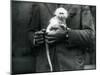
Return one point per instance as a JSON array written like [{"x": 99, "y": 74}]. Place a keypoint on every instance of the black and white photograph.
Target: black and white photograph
[{"x": 52, "y": 37}]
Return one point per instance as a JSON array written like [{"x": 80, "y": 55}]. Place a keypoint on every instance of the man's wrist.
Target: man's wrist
[{"x": 67, "y": 35}]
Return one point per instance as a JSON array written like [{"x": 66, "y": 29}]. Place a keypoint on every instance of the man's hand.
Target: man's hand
[
  {"x": 56, "y": 36},
  {"x": 38, "y": 38}
]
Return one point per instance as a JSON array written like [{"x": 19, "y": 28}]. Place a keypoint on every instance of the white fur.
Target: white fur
[
  {"x": 61, "y": 10},
  {"x": 58, "y": 20}
]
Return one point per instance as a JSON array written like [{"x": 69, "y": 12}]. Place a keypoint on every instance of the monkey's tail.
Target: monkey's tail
[{"x": 48, "y": 57}]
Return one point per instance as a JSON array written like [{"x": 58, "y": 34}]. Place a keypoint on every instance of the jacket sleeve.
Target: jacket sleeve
[
  {"x": 83, "y": 37},
  {"x": 34, "y": 24}
]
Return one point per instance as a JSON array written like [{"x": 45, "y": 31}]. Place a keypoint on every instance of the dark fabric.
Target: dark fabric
[
  {"x": 68, "y": 55},
  {"x": 23, "y": 60}
]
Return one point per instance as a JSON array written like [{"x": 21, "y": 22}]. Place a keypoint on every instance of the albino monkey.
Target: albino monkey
[{"x": 57, "y": 22}]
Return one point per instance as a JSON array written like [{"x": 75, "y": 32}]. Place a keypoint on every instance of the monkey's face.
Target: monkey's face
[{"x": 61, "y": 13}]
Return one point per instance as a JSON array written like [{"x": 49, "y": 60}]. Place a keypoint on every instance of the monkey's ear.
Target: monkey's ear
[{"x": 56, "y": 12}]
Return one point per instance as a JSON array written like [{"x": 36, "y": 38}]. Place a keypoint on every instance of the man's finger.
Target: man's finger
[
  {"x": 50, "y": 42},
  {"x": 50, "y": 38},
  {"x": 39, "y": 33},
  {"x": 40, "y": 39},
  {"x": 38, "y": 36},
  {"x": 40, "y": 42},
  {"x": 51, "y": 33}
]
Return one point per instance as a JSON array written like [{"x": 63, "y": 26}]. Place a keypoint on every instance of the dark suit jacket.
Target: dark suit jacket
[{"x": 70, "y": 54}]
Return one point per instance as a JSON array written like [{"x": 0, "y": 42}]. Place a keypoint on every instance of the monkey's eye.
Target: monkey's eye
[{"x": 61, "y": 13}]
